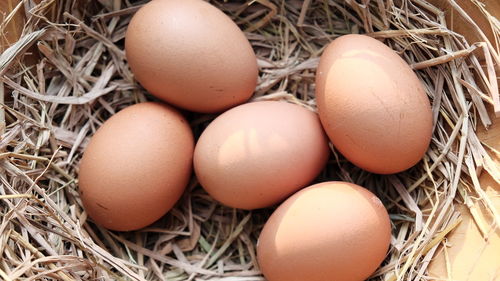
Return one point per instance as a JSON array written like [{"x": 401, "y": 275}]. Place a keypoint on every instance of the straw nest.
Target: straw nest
[{"x": 51, "y": 106}]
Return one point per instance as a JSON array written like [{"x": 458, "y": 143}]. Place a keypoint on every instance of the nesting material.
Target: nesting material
[{"x": 50, "y": 108}]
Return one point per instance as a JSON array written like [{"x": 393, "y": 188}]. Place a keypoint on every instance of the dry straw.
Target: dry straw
[{"x": 50, "y": 108}]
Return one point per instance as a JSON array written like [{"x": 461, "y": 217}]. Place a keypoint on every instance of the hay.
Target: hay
[{"x": 50, "y": 109}]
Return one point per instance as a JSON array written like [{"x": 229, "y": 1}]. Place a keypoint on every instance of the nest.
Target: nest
[{"x": 68, "y": 74}]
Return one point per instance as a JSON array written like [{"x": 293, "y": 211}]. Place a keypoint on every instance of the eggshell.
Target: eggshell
[
  {"x": 256, "y": 154},
  {"x": 329, "y": 231},
  {"x": 136, "y": 166},
  {"x": 372, "y": 105},
  {"x": 190, "y": 54}
]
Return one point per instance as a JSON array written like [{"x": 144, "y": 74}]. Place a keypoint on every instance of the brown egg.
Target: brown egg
[
  {"x": 136, "y": 166},
  {"x": 256, "y": 154},
  {"x": 372, "y": 105},
  {"x": 328, "y": 231},
  {"x": 190, "y": 54}
]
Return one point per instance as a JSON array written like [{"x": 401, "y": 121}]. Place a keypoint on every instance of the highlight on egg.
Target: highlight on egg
[
  {"x": 136, "y": 166},
  {"x": 191, "y": 55},
  {"x": 328, "y": 231},
  {"x": 256, "y": 154},
  {"x": 372, "y": 105}
]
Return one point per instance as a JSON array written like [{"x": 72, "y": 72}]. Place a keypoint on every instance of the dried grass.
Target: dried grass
[{"x": 50, "y": 109}]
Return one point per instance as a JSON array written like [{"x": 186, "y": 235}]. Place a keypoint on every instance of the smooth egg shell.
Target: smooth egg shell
[
  {"x": 372, "y": 105},
  {"x": 190, "y": 54},
  {"x": 136, "y": 166},
  {"x": 329, "y": 231},
  {"x": 256, "y": 154}
]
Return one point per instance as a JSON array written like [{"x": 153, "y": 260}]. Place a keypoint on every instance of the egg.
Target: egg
[
  {"x": 256, "y": 154},
  {"x": 372, "y": 105},
  {"x": 136, "y": 166},
  {"x": 191, "y": 55},
  {"x": 328, "y": 231}
]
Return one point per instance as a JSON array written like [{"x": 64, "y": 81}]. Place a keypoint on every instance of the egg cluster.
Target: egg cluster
[{"x": 188, "y": 53}]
